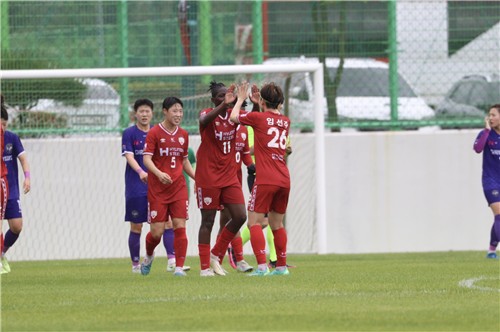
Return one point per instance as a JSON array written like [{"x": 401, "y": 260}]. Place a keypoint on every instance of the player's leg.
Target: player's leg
[
  {"x": 179, "y": 212},
  {"x": 495, "y": 230},
  {"x": 276, "y": 216},
  {"x": 168, "y": 243},
  {"x": 208, "y": 200},
  {"x": 136, "y": 214},
  {"x": 158, "y": 216}
]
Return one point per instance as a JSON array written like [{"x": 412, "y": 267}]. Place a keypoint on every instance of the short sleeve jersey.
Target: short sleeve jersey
[
  {"x": 133, "y": 140},
  {"x": 271, "y": 134},
  {"x": 13, "y": 148},
  {"x": 215, "y": 156},
  {"x": 491, "y": 161},
  {"x": 168, "y": 150}
]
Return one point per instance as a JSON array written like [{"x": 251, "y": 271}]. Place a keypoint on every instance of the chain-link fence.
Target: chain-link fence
[{"x": 389, "y": 64}]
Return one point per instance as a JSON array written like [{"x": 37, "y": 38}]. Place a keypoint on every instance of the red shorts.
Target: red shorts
[
  {"x": 4, "y": 195},
  {"x": 161, "y": 212},
  {"x": 265, "y": 198},
  {"x": 213, "y": 198}
]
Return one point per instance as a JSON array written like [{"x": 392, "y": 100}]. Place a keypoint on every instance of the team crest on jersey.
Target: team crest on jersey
[
  {"x": 244, "y": 136},
  {"x": 207, "y": 200},
  {"x": 154, "y": 214},
  {"x": 181, "y": 140},
  {"x": 8, "y": 148}
]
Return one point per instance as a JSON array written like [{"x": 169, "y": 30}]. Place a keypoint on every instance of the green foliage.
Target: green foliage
[
  {"x": 26, "y": 93},
  {"x": 371, "y": 292},
  {"x": 35, "y": 122}
]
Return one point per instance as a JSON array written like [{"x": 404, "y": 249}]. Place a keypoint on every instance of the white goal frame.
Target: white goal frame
[{"x": 318, "y": 86}]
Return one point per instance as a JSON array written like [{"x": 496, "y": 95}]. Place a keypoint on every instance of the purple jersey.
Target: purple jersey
[
  {"x": 12, "y": 150},
  {"x": 490, "y": 146},
  {"x": 133, "y": 140}
]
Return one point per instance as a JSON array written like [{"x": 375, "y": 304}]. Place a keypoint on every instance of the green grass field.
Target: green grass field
[{"x": 447, "y": 291}]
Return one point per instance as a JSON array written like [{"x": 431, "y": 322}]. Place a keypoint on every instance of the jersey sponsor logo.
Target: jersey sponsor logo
[
  {"x": 7, "y": 158},
  {"x": 207, "y": 200},
  {"x": 154, "y": 213}
]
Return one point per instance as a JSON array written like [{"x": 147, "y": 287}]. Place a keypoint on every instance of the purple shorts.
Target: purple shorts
[
  {"x": 136, "y": 209},
  {"x": 13, "y": 209},
  {"x": 492, "y": 195}
]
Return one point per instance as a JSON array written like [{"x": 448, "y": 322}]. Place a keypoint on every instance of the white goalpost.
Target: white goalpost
[{"x": 318, "y": 86}]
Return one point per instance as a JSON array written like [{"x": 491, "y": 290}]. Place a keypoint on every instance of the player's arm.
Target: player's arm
[
  {"x": 242, "y": 95},
  {"x": 143, "y": 175},
  {"x": 208, "y": 117},
  {"x": 481, "y": 139},
  {"x": 26, "y": 169},
  {"x": 150, "y": 165},
  {"x": 188, "y": 168}
]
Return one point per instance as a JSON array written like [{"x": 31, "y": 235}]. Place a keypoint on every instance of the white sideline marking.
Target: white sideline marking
[{"x": 470, "y": 283}]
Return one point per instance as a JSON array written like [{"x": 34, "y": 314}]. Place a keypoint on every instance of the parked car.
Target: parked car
[
  {"x": 470, "y": 97},
  {"x": 363, "y": 93},
  {"x": 100, "y": 107}
]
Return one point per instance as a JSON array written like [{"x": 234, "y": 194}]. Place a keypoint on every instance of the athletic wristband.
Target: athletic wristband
[
  {"x": 139, "y": 170},
  {"x": 26, "y": 175}
]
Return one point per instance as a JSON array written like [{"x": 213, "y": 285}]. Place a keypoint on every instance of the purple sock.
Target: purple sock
[
  {"x": 134, "y": 245},
  {"x": 495, "y": 232},
  {"x": 9, "y": 240},
  {"x": 168, "y": 242}
]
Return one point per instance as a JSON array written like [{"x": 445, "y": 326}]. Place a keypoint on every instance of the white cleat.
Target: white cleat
[
  {"x": 207, "y": 273},
  {"x": 215, "y": 265},
  {"x": 243, "y": 266}
]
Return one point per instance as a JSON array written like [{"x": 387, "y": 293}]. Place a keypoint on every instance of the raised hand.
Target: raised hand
[
  {"x": 243, "y": 91},
  {"x": 254, "y": 94},
  {"x": 487, "y": 123},
  {"x": 230, "y": 96}
]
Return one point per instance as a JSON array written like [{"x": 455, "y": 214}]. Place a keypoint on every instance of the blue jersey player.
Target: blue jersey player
[
  {"x": 13, "y": 150},
  {"x": 488, "y": 142}
]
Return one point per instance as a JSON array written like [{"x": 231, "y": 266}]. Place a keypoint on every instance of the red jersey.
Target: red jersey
[
  {"x": 3, "y": 167},
  {"x": 215, "y": 156},
  {"x": 271, "y": 135},
  {"x": 242, "y": 150},
  {"x": 168, "y": 150}
]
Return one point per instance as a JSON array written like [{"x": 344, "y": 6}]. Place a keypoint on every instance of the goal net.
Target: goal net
[{"x": 70, "y": 122}]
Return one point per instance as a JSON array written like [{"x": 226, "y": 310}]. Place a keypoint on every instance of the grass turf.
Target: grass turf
[{"x": 399, "y": 292}]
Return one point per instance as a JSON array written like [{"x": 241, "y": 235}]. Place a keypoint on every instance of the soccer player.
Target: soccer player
[
  {"x": 242, "y": 155},
  {"x": 13, "y": 150},
  {"x": 136, "y": 188},
  {"x": 272, "y": 184},
  {"x": 216, "y": 178},
  {"x": 166, "y": 156},
  {"x": 488, "y": 142},
  {"x": 4, "y": 185}
]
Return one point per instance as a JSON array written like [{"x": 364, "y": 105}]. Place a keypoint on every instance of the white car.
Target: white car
[
  {"x": 100, "y": 107},
  {"x": 363, "y": 93}
]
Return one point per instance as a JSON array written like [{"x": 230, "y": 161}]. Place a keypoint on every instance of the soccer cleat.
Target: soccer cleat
[
  {"x": 232, "y": 257},
  {"x": 243, "y": 266},
  {"x": 146, "y": 264},
  {"x": 272, "y": 265},
  {"x": 136, "y": 268},
  {"x": 171, "y": 267},
  {"x": 259, "y": 273},
  {"x": 207, "y": 273},
  {"x": 5, "y": 265},
  {"x": 179, "y": 272},
  {"x": 215, "y": 265},
  {"x": 280, "y": 272},
  {"x": 492, "y": 255}
]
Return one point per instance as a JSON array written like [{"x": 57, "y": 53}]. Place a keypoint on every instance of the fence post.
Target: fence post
[
  {"x": 123, "y": 21},
  {"x": 393, "y": 62}
]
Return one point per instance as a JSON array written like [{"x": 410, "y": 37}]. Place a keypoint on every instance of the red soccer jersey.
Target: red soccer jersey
[
  {"x": 271, "y": 134},
  {"x": 242, "y": 150},
  {"x": 215, "y": 156},
  {"x": 168, "y": 150}
]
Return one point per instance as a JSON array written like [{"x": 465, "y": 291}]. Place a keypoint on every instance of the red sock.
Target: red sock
[
  {"x": 1, "y": 242},
  {"x": 222, "y": 243},
  {"x": 204, "y": 252},
  {"x": 180, "y": 246},
  {"x": 280, "y": 239},
  {"x": 258, "y": 244},
  {"x": 237, "y": 245},
  {"x": 221, "y": 257},
  {"x": 151, "y": 244}
]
